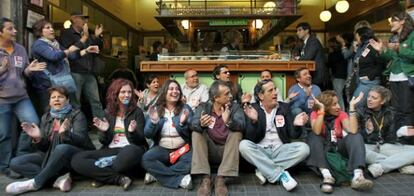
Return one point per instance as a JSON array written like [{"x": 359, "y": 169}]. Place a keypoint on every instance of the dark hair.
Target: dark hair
[
  {"x": 38, "y": 27},
  {"x": 162, "y": 101},
  {"x": 60, "y": 89},
  {"x": 271, "y": 74},
  {"x": 149, "y": 79},
  {"x": 112, "y": 101},
  {"x": 217, "y": 69},
  {"x": 365, "y": 33},
  {"x": 408, "y": 26},
  {"x": 297, "y": 72},
  {"x": 349, "y": 38},
  {"x": 304, "y": 26},
  {"x": 259, "y": 88},
  {"x": 2, "y": 21},
  {"x": 156, "y": 44},
  {"x": 383, "y": 92},
  {"x": 214, "y": 88}
]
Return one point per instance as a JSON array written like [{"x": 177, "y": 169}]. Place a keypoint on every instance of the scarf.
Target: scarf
[
  {"x": 54, "y": 44},
  {"x": 66, "y": 109}
]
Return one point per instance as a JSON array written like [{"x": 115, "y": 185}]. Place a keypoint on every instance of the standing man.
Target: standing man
[
  {"x": 193, "y": 91},
  {"x": 312, "y": 50},
  {"x": 81, "y": 68},
  {"x": 14, "y": 65},
  {"x": 217, "y": 127}
]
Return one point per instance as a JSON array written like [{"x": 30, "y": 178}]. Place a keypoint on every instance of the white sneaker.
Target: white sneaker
[
  {"x": 260, "y": 176},
  {"x": 16, "y": 188},
  {"x": 287, "y": 181},
  {"x": 408, "y": 169},
  {"x": 375, "y": 170},
  {"x": 149, "y": 178},
  {"x": 64, "y": 183},
  {"x": 361, "y": 184},
  {"x": 186, "y": 182}
]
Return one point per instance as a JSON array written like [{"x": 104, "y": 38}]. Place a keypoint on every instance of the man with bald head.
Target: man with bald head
[{"x": 193, "y": 91}]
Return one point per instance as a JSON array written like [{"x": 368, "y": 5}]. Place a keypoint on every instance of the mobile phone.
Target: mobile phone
[{"x": 394, "y": 39}]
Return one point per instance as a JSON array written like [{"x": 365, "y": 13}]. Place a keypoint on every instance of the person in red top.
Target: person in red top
[{"x": 331, "y": 129}]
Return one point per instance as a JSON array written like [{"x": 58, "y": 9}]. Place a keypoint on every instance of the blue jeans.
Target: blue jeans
[
  {"x": 390, "y": 156},
  {"x": 157, "y": 162},
  {"x": 25, "y": 112},
  {"x": 30, "y": 165},
  {"x": 88, "y": 86},
  {"x": 272, "y": 162},
  {"x": 338, "y": 86},
  {"x": 365, "y": 85}
]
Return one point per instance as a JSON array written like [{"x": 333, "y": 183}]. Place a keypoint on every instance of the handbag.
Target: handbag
[
  {"x": 63, "y": 78},
  {"x": 338, "y": 166}
]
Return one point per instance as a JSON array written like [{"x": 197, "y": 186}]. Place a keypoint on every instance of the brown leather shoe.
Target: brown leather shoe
[
  {"x": 220, "y": 188},
  {"x": 205, "y": 187}
]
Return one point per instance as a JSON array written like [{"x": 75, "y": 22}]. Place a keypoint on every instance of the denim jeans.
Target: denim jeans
[
  {"x": 57, "y": 164},
  {"x": 365, "y": 85},
  {"x": 157, "y": 162},
  {"x": 25, "y": 112},
  {"x": 390, "y": 156},
  {"x": 272, "y": 162},
  {"x": 88, "y": 86},
  {"x": 338, "y": 86}
]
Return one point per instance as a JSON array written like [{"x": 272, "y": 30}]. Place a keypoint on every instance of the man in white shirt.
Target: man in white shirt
[{"x": 193, "y": 91}]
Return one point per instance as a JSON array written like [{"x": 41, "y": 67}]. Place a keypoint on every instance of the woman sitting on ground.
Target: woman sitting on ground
[
  {"x": 169, "y": 161},
  {"x": 121, "y": 133},
  {"x": 63, "y": 132},
  {"x": 384, "y": 152},
  {"x": 331, "y": 130}
]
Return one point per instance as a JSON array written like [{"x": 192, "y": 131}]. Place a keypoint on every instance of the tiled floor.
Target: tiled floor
[{"x": 245, "y": 185}]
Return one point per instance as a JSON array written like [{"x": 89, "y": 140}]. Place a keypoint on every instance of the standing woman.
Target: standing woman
[
  {"x": 168, "y": 126},
  {"x": 63, "y": 132},
  {"x": 149, "y": 96},
  {"x": 331, "y": 129},
  {"x": 121, "y": 133},
  {"x": 47, "y": 49},
  {"x": 401, "y": 69}
]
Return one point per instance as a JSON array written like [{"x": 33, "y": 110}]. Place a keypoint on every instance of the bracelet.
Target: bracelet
[{"x": 320, "y": 112}]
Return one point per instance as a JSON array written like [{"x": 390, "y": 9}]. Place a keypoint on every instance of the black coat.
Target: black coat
[{"x": 313, "y": 51}]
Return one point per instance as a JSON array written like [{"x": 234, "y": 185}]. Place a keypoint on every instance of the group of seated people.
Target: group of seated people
[{"x": 175, "y": 133}]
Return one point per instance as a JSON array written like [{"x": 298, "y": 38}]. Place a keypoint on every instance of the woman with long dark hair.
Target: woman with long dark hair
[
  {"x": 63, "y": 132},
  {"x": 169, "y": 161},
  {"x": 149, "y": 96},
  {"x": 121, "y": 133},
  {"x": 400, "y": 53}
]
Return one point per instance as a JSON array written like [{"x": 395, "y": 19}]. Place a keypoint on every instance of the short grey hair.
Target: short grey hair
[{"x": 214, "y": 88}]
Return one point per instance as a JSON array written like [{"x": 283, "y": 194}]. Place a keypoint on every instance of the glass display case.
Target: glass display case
[{"x": 257, "y": 55}]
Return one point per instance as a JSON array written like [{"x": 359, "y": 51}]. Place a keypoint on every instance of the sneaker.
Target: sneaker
[
  {"x": 327, "y": 185},
  {"x": 149, "y": 178},
  {"x": 96, "y": 184},
  {"x": 64, "y": 183},
  {"x": 16, "y": 188},
  {"x": 408, "y": 169},
  {"x": 205, "y": 187},
  {"x": 260, "y": 176},
  {"x": 375, "y": 170},
  {"x": 186, "y": 182},
  {"x": 125, "y": 182},
  {"x": 287, "y": 181},
  {"x": 361, "y": 184}
]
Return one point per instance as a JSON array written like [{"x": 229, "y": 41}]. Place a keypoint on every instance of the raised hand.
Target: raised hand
[
  {"x": 225, "y": 113},
  {"x": 246, "y": 97},
  {"x": 64, "y": 126},
  {"x": 293, "y": 95},
  {"x": 318, "y": 103},
  {"x": 356, "y": 100},
  {"x": 301, "y": 119},
  {"x": 102, "y": 125},
  {"x": 184, "y": 116},
  {"x": 153, "y": 114},
  {"x": 98, "y": 30},
  {"x": 376, "y": 45},
  {"x": 36, "y": 66},
  {"x": 132, "y": 125},
  {"x": 205, "y": 120},
  {"x": 31, "y": 129},
  {"x": 251, "y": 113},
  {"x": 4, "y": 63},
  {"x": 93, "y": 49}
]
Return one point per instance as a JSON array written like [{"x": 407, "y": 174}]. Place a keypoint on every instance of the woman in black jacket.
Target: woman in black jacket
[
  {"x": 122, "y": 136},
  {"x": 63, "y": 132}
]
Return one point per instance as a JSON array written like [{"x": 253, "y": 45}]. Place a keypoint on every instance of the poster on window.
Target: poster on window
[
  {"x": 32, "y": 17},
  {"x": 38, "y": 3}
]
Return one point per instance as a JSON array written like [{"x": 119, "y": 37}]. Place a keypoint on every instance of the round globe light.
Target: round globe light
[
  {"x": 325, "y": 16},
  {"x": 67, "y": 24},
  {"x": 185, "y": 24},
  {"x": 342, "y": 6},
  {"x": 257, "y": 24}
]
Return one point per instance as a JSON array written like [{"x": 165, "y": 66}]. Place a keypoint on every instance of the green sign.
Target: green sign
[{"x": 228, "y": 22}]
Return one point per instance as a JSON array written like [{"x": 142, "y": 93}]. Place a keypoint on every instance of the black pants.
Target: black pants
[
  {"x": 351, "y": 147},
  {"x": 402, "y": 101},
  {"x": 127, "y": 158},
  {"x": 30, "y": 165}
]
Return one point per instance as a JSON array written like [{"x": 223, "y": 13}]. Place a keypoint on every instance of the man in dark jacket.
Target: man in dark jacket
[
  {"x": 82, "y": 68},
  {"x": 312, "y": 50},
  {"x": 269, "y": 128},
  {"x": 217, "y": 127}
]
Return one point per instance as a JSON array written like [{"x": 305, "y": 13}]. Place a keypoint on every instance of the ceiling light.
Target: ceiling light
[
  {"x": 325, "y": 16},
  {"x": 269, "y": 4},
  {"x": 67, "y": 24},
  {"x": 185, "y": 24},
  {"x": 342, "y": 6},
  {"x": 257, "y": 24}
]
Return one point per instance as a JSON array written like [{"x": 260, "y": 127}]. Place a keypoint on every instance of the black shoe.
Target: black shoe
[
  {"x": 96, "y": 184},
  {"x": 125, "y": 182},
  {"x": 11, "y": 174}
]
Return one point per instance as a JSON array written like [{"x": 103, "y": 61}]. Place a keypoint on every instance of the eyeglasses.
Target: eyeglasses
[{"x": 226, "y": 72}]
